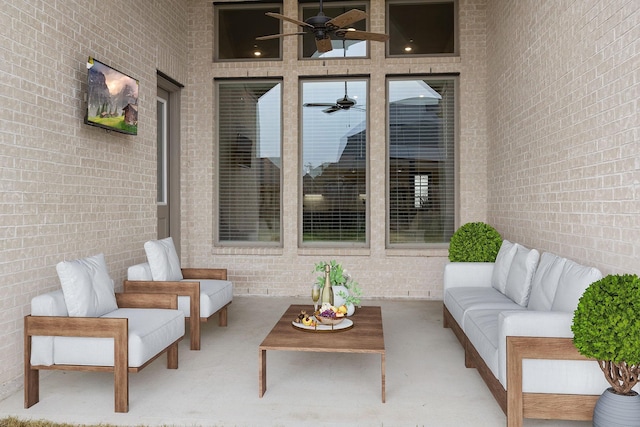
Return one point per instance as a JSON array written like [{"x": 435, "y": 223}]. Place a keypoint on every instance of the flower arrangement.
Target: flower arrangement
[{"x": 340, "y": 277}]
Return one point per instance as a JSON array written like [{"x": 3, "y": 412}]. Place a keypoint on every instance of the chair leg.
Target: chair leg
[
  {"x": 121, "y": 368},
  {"x": 222, "y": 316},
  {"x": 172, "y": 356},
  {"x": 194, "y": 332},
  {"x": 31, "y": 376}
]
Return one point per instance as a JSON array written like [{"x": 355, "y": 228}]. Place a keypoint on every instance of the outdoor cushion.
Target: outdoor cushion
[
  {"x": 521, "y": 273},
  {"x": 87, "y": 287},
  {"x": 574, "y": 280},
  {"x": 502, "y": 265},
  {"x": 459, "y": 301},
  {"x": 214, "y": 294},
  {"x": 163, "y": 259},
  {"x": 545, "y": 282},
  {"x": 140, "y": 271}
]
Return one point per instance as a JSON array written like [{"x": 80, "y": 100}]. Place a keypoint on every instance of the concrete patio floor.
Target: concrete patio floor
[{"x": 426, "y": 381}]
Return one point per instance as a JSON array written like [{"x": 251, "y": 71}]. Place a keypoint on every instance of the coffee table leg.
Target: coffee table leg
[
  {"x": 262, "y": 374},
  {"x": 382, "y": 363}
]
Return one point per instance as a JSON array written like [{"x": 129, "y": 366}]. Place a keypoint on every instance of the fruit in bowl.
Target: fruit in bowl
[{"x": 330, "y": 315}]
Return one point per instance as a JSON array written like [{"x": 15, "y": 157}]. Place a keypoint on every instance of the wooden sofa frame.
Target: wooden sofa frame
[
  {"x": 186, "y": 288},
  {"x": 516, "y": 404},
  {"x": 116, "y": 328}
]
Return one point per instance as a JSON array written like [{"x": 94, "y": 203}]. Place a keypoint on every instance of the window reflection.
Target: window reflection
[{"x": 334, "y": 161}]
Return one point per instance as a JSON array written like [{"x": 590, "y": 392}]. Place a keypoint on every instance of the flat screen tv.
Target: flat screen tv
[{"x": 112, "y": 99}]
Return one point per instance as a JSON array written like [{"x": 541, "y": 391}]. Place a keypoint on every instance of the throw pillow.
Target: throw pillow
[
  {"x": 520, "y": 275},
  {"x": 86, "y": 286},
  {"x": 501, "y": 266},
  {"x": 163, "y": 260},
  {"x": 545, "y": 282},
  {"x": 574, "y": 280}
]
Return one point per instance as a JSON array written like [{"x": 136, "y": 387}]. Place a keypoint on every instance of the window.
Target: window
[
  {"x": 421, "y": 142},
  {"x": 334, "y": 162},
  {"x": 425, "y": 27},
  {"x": 249, "y": 152},
  {"x": 341, "y": 48},
  {"x": 237, "y": 27}
]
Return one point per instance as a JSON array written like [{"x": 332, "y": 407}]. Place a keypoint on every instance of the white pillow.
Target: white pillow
[
  {"x": 163, "y": 260},
  {"x": 503, "y": 263},
  {"x": 87, "y": 287},
  {"x": 574, "y": 280},
  {"x": 520, "y": 275},
  {"x": 545, "y": 282}
]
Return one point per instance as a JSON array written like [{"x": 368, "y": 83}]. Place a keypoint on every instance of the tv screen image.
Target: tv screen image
[{"x": 112, "y": 101}]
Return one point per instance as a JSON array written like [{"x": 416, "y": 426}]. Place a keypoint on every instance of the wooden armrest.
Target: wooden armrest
[
  {"x": 75, "y": 326},
  {"x": 205, "y": 273},
  {"x": 146, "y": 300}
]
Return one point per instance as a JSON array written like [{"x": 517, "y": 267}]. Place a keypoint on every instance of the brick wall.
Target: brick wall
[
  {"x": 564, "y": 139},
  {"x": 69, "y": 190},
  {"x": 288, "y": 270}
]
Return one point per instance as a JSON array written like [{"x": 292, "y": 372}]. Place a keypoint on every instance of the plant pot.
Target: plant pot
[
  {"x": 617, "y": 410},
  {"x": 339, "y": 300}
]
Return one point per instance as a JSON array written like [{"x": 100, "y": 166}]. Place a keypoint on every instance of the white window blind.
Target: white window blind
[
  {"x": 421, "y": 143},
  {"x": 249, "y": 161},
  {"x": 334, "y": 161}
]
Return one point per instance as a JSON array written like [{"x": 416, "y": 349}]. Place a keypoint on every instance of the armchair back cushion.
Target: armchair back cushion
[
  {"x": 163, "y": 260},
  {"x": 87, "y": 288},
  {"x": 140, "y": 271}
]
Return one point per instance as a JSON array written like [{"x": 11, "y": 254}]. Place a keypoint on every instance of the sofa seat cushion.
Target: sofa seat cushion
[
  {"x": 562, "y": 376},
  {"x": 481, "y": 329},
  {"x": 150, "y": 332},
  {"x": 461, "y": 300},
  {"x": 214, "y": 294}
]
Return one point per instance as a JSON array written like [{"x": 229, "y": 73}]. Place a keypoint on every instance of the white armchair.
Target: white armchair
[
  {"x": 202, "y": 292},
  {"x": 87, "y": 327}
]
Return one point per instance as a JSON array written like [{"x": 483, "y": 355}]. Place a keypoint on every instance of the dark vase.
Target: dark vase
[{"x": 617, "y": 410}]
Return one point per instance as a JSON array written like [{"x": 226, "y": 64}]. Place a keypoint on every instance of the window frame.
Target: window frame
[
  {"x": 216, "y": 153},
  {"x": 456, "y": 29},
  {"x": 367, "y": 213},
  {"x": 217, "y": 6},
  {"x": 455, "y": 78}
]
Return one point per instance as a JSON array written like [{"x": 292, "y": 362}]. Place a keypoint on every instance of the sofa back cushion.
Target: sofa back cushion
[
  {"x": 87, "y": 288},
  {"x": 503, "y": 263},
  {"x": 545, "y": 282},
  {"x": 163, "y": 260},
  {"x": 574, "y": 280},
  {"x": 520, "y": 274}
]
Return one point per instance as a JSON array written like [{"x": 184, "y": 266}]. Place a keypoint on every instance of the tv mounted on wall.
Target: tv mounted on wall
[{"x": 112, "y": 101}]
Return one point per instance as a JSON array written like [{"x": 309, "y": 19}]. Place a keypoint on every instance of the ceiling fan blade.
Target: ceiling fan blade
[
  {"x": 347, "y": 18},
  {"x": 275, "y": 36},
  {"x": 318, "y": 104},
  {"x": 286, "y": 18},
  {"x": 331, "y": 110},
  {"x": 324, "y": 45},
  {"x": 362, "y": 35}
]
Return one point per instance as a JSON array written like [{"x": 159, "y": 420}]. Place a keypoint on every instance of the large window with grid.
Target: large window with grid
[
  {"x": 333, "y": 167},
  {"x": 249, "y": 144},
  {"x": 421, "y": 169}
]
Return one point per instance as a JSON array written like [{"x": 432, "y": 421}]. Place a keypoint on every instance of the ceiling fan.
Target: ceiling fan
[
  {"x": 323, "y": 27},
  {"x": 344, "y": 103}
]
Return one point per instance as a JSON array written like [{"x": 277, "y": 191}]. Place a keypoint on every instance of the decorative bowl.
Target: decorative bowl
[{"x": 329, "y": 320}]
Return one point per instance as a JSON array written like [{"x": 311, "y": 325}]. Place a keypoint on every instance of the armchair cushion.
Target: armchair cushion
[
  {"x": 87, "y": 288},
  {"x": 163, "y": 260},
  {"x": 140, "y": 272}
]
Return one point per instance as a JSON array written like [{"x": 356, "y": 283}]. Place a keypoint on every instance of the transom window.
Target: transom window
[
  {"x": 333, "y": 167},
  {"x": 249, "y": 139},
  {"x": 421, "y": 145},
  {"x": 422, "y": 27},
  {"x": 236, "y": 29}
]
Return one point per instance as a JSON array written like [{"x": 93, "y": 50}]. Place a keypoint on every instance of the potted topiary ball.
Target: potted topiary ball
[
  {"x": 474, "y": 242},
  {"x": 606, "y": 327}
]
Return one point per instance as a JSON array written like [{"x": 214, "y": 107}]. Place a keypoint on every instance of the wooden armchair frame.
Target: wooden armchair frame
[
  {"x": 116, "y": 328},
  {"x": 190, "y": 287}
]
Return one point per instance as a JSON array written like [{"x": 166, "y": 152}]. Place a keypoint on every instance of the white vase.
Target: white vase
[
  {"x": 351, "y": 309},
  {"x": 339, "y": 299}
]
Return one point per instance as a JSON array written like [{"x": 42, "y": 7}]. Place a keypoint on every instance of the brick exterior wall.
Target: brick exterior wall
[{"x": 564, "y": 140}]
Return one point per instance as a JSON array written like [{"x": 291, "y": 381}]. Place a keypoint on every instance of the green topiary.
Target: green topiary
[
  {"x": 475, "y": 242},
  {"x": 606, "y": 327}
]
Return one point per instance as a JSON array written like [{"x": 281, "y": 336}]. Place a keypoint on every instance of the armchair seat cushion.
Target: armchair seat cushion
[{"x": 214, "y": 294}]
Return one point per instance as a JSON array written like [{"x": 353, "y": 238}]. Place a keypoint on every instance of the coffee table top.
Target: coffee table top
[{"x": 366, "y": 336}]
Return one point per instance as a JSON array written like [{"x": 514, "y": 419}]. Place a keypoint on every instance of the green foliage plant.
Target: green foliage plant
[
  {"x": 338, "y": 276},
  {"x": 606, "y": 327},
  {"x": 474, "y": 242}
]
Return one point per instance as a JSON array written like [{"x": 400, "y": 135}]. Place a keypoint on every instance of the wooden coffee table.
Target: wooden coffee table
[{"x": 365, "y": 336}]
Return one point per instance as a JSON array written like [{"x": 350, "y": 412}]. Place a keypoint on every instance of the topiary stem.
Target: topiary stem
[{"x": 621, "y": 376}]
